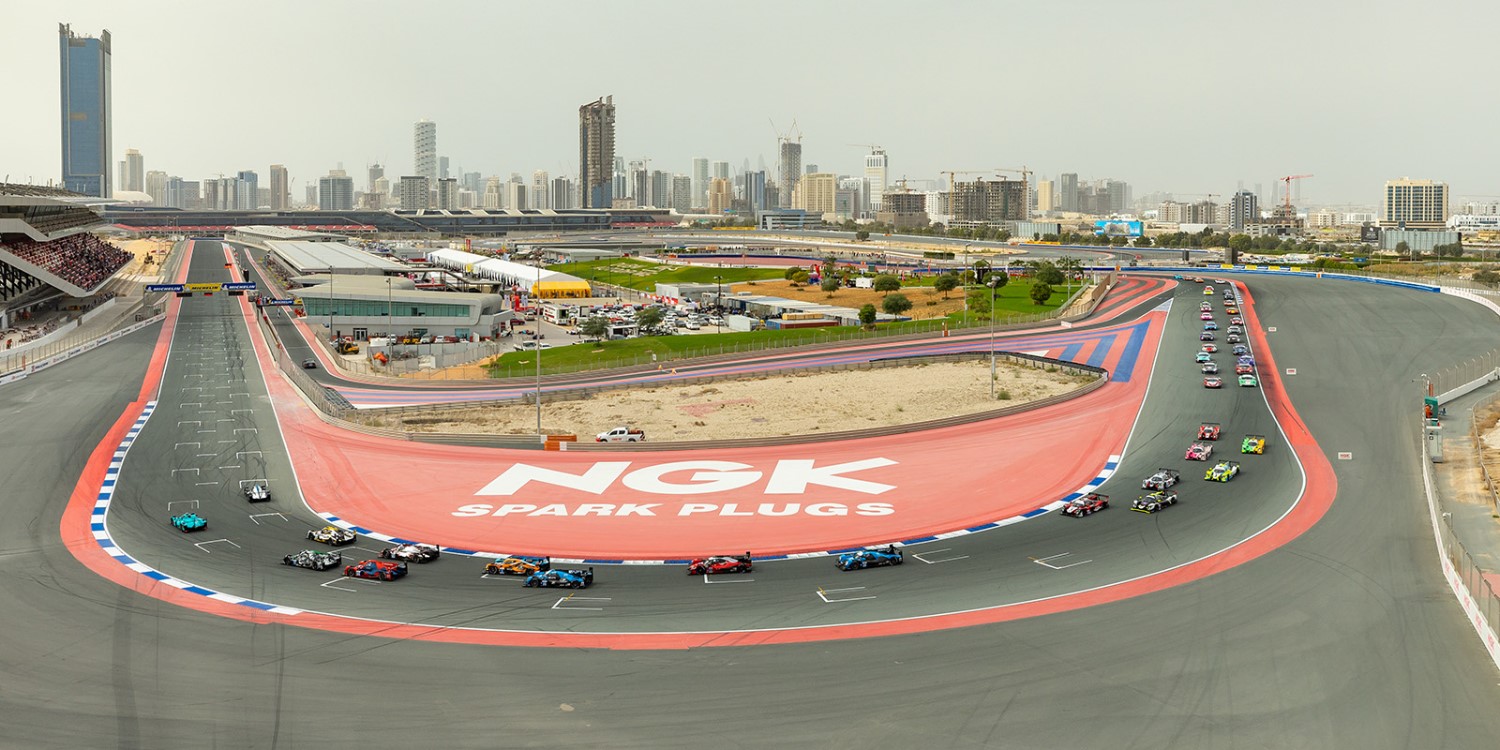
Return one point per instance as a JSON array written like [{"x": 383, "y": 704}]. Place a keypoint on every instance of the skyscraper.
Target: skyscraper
[
  {"x": 596, "y": 152},
  {"x": 790, "y": 171},
  {"x": 156, "y": 187},
  {"x": 661, "y": 189},
  {"x": 1046, "y": 195},
  {"x": 721, "y": 170},
  {"x": 816, "y": 193},
  {"x": 442, "y": 167},
  {"x": 414, "y": 192},
  {"x": 1414, "y": 204},
  {"x": 494, "y": 196},
  {"x": 515, "y": 196},
  {"x": 133, "y": 174},
  {"x": 1244, "y": 208},
  {"x": 700, "y": 181},
  {"x": 875, "y": 178},
  {"x": 1067, "y": 191},
  {"x": 281, "y": 197},
  {"x": 246, "y": 190},
  {"x": 424, "y": 149},
  {"x": 87, "y": 115},
  {"x": 336, "y": 192},
  {"x": 376, "y": 171},
  {"x": 755, "y": 191},
  {"x": 562, "y": 193},
  {"x": 720, "y": 195},
  {"x": 447, "y": 193},
  {"x": 682, "y": 193},
  {"x": 541, "y": 189}
]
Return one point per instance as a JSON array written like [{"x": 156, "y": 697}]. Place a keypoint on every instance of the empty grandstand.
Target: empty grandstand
[
  {"x": 427, "y": 222},
  {"x": 46, "y": 249}
]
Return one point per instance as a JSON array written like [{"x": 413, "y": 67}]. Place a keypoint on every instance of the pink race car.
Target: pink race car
[{"x": 1199, "y": 451}]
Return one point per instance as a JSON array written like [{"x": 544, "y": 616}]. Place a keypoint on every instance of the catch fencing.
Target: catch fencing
[{"x": 1475, "y": 593}]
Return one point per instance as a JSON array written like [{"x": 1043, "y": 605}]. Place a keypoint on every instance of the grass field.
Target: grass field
[
  {"x": 644, "y": 276},
  {"x": 1013, "y": 306}
]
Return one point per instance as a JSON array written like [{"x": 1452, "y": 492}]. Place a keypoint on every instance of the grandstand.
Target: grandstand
[
  {"x": 46, "y": 250},
  {"x": 430, "y": 222}
]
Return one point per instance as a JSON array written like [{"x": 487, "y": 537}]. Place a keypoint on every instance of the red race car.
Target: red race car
[
  {"x": 720, "y": 564},
  {"x": 1210, "y": 348},
  {"x": 1208, "y": 431},
  {"x": 1090, "y": 503},
  {"x": 1244, "y": 369},
  {"x": 1213, "y": 381}
]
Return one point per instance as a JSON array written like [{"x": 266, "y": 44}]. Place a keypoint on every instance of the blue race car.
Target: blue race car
[
  {"x": 188, "y": 522},
  {"x": 869, "y": 558},
  {"x": 552, "y": 579}
]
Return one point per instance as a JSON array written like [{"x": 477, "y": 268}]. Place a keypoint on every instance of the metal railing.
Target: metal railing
[
  {"x": 1466, "y": 571},
  {"x": 1465, "y": 372}
]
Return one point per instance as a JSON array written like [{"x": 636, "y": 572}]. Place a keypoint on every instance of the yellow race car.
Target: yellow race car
[
  {"x": 1253, "y": 444},
  {"x": 518, "y": 565}
]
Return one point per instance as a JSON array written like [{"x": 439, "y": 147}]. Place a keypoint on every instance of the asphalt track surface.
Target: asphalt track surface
[{"x": 1345, "y": 637}]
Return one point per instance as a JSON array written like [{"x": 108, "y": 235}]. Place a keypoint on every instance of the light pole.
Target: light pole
[
  {"x": 537, "y": 341},
  {"x": 390, "y": 313},
  {"x": 963, "y": 277},
  {"x": 331, "y": 337},
  {"x": 719, "y": 304}
]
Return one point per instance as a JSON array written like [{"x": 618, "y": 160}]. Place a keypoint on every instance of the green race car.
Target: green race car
[
  {"x": 1253, "y": 444},
  {"x": 1248, "y": 381}
]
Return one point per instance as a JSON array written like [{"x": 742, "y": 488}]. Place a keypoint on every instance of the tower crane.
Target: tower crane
[
  {"x": 952, "y": 172},
  {"x": 1025, "y": 188},
  {"x": 1288, "y": 180}
]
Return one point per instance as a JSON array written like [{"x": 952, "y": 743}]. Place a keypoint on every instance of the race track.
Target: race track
[{"x": 1344, "y": 637}]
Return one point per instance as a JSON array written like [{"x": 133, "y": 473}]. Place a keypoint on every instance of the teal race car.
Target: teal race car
[{"x": 188, "y": 522}]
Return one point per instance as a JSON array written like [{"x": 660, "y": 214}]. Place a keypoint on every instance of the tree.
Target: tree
[
  {"x": 649, "y": 319},
  {"x": 979, "y": 301},
  {"x": 895, "y": 304},
  {"x": 886, "y": 283},
  {"x": 998, "y": 280},
  {"x": 594, "y": 328},
  {"x": 790, "y": 272},
  {"x": 1041, "y": 291},
  {"x": 800, "y": 277},
  {"x": 1402, "y": 248},
  {"x": 1487, "y": 277},
  {"x": 867, "y": 315},
  {"x": 945, "y": 283},
  {"x": 1240, "y": 243},
  {"x": 1046, "y": 272},
  {"x": 830, "y": 283},
  {"x": 830, "y": 264},
  {"x": 862, "y": 235}
]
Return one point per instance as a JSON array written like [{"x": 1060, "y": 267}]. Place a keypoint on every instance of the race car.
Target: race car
[
  {"x": 1210, "y": 326},
  {"x": 1079, "y": 507},
  {"x": 1231, "y": 310},
  {"x": 1223, "y": 471},
  {"x": 1209, "y": 431},
  {"x": 1253, "y": 444},
  {"x": 869, "y": 558},
  {"x": 1245, "y": 359},
  {"x": 720, "y": 564},
  {"x": 1161, "y": 480},
  {"x": 560, "y": 579},
  {"x": 257, "y": 492},
  {"x": 1233, "y": 338},
  {"x": 1210, "y": 348},
  {"x": 1208, "y": 290},
  {"x": 376, "y": 570},
  {"x": 1244, "y": 369},
  {"x": 313, "y": 559},
  {"x": 332, "y": 535},
  {"x": 1236, "y": 322},
  {"x": 1210, "y": 368},
  {"x": 1206, "y": 316},
  {"x": 1154, "y": 502},
  {"x": 1213, "y": 381},
  {"x": 1235, "y": 328},
  {"x": 1202, "y": 357},
  {"x": 1206, "y": 336},
  {"x": 309, "y": 364},
  {"x": 1222, "y": 282},
  {"x": 1240, "y": 350},
  {"x": 418, "y": 553},
  {"x": 1199, "y": 451},
  {"x": 1248, "y": 381},
  {"x": 518, "y": 565},
  {"x": 188, "y": 522},
  {"x": 1205, "y": 307}
]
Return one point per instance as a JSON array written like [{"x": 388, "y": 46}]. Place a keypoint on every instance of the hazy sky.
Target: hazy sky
[{"x": 1191, "y": 96}]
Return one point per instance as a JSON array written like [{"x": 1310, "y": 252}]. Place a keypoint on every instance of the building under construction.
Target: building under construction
[
  {"x": 989, "y": 202},
  {"x": 903, "y": 210}
]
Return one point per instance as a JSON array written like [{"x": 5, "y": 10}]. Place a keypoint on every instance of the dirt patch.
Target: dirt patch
[{"x": 769, "y": 406}]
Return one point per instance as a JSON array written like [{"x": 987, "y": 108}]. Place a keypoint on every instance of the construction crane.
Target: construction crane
[
  {"x": 1288, "y": 180},
  {"x": 871, "y": 146},
  {"x": 952, "y": 172},
  {"x": 1025, "y": 188},
  {"x": 786, "y": 137},
  {"x": 1023, "y": 171}
]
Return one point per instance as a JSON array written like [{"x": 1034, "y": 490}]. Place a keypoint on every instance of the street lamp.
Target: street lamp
[
  {"x": 331, "y": 337},
  {"x": 390, "y": 312},
  {"x": 719, "y": 304},
  {"x": 963, "y": 277},
  {"x": 537, "y": 341}
]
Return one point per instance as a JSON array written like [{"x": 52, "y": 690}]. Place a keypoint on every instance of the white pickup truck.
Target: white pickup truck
[{"x": 622, "y": 435}]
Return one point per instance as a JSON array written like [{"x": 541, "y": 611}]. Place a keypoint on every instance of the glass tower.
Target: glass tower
[{"x": 86, "y": 112}]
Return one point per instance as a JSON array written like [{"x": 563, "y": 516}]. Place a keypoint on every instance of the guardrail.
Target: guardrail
[
  {"x": 1475, "y": 595},
  {"x": 1484, "y": 471}
]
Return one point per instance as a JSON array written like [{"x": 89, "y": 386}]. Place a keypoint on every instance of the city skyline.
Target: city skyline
[{"x": 1136, "y": 129}]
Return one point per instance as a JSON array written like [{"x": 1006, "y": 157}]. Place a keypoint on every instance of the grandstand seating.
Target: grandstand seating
[
  {"x": 81, "y": 259},
  {"x": 11, "y": 188}
]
